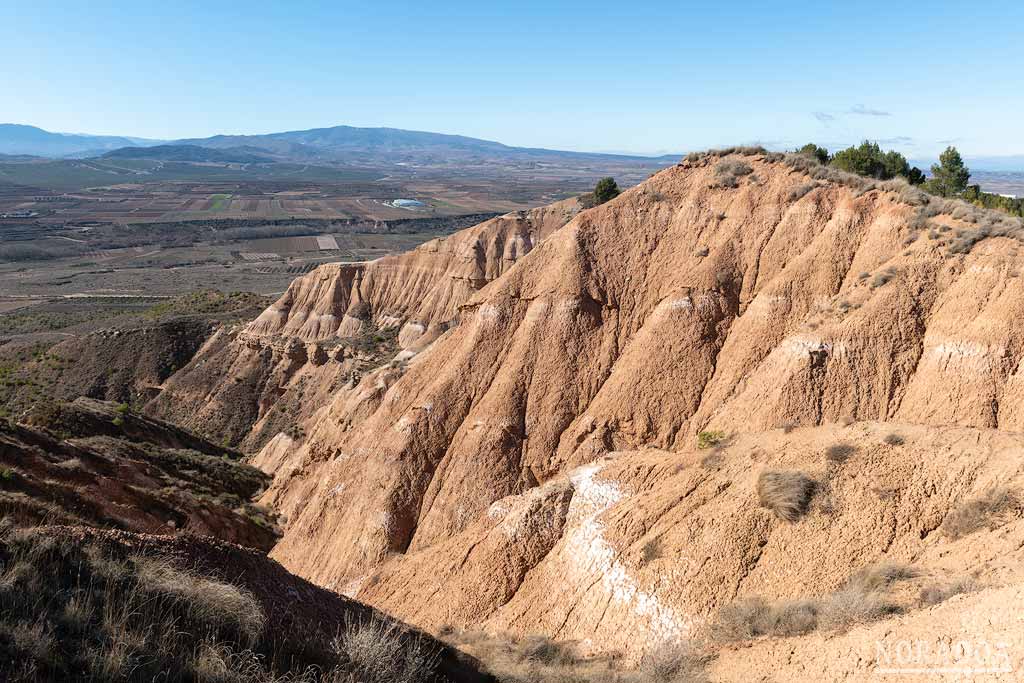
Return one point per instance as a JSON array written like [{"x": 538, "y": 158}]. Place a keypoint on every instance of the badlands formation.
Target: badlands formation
[{"x": 557, "y": 422}]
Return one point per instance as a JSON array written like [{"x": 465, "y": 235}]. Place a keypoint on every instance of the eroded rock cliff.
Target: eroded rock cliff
[{"x": 513, "y": 464}]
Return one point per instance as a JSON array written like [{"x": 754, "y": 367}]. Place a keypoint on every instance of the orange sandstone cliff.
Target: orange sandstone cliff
[{"x": 521, "y": 453}]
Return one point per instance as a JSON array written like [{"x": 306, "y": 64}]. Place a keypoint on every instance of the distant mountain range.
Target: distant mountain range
[
  {"x": 340, "y": 144},
  {"x": 192, "y": 153},
  {"x": 16, "y": 139}
]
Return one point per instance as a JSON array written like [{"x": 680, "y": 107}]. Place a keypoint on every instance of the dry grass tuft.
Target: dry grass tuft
[
  {"x": 847, "y": 608},
  {"x": 935, "y": 593},
  {"x": 785, "y": 493},
  {"x": 728, "y": 172},
  {"x": 94, "y": 611},
  {"x": 882, "y": 278},
  {"x": 713, "y": 460},
  {"x": 674, "y": 662},
  {"x": 894, "y": 439},
  {"x": 840, "y": 452},
  {"x": 211, "y": 601},
  {"x": 860, "y": 600},
  {"x": 879, "y": 577},
  {"x": 651, "y": 551},
  {"x": 385, "y": 652},
  {"x": 754, "y": 617},
  {"x": 538, "y": 659},
  {"x": 991, "y": 509},
  {"x": 800, "y": 190}
]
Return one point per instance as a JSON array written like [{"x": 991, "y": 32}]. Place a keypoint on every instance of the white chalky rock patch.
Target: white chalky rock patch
[
  {"x": 684, "y": 303},
  {"x": 958, "y": 356},
  {"x": 567, "y": 308},
  {"x": 498, "y": 509},
  {"x": 352, "y": 588},
  {"x": 705, "y": 303},
  {"x": 589, "y": 554},
  {"x": 517, "y": 512},
  {"x": 538, "y": 310},
  {"x": 488, "y": 313},
  {"x": 765, "y": 305},
  {"x": 803, "y": 347}
]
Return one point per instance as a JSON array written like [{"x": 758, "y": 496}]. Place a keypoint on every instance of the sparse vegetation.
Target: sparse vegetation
[
  {"x": 712, "y": 460},
  {"x": 375, "y": 649},
  {"x": 813, "y": 151},
  {"x": 674, "y": 662},
  {"x": 728, "y": 172},
  {"x": 605, "y": 190},
  {"x": 861, "y": 599},
  {"x": 935, "y": 593},
  {"x": 882, "y": 278},
  {"x": 840, "y": 452},
  {"x": 800, "y": 190},
  {"x": 893, "y": 439},
  {"x": 753, "y": 617},
  {"x": 786, "y": 493},
  {"x": 710, "y": 438},
  {"x": 95, "y": 611},
  {"x": 538, "y": 659},
  {"x": 989, "y": 510},
  {"x": 651, "y": 551}
]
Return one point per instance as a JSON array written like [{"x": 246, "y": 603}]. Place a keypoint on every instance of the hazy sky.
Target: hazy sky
[{"x": 624, "y": 76}]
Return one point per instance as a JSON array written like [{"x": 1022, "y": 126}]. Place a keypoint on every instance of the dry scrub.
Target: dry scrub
[
  {"x": 728, "y": 172},
  {"x": 840, "y": 452},
  {"x": 935, "y": 593},
  {"x": 539, "y": 659},
  {"x": 74, "y": 611},
  {"x": 991, "y": 509},
  {"x": 861, "y": 599},
  {"x": 785, "y": 493}
]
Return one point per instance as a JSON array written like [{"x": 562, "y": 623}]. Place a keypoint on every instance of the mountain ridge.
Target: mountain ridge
[{"x": 327, "y": 143}]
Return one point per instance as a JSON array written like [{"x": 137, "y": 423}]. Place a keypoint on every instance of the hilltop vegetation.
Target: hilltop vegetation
[{"x": 949, "y": 178}]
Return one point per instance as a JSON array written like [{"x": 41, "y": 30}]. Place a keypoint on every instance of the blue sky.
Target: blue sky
[{"x": 640, "y": 77}]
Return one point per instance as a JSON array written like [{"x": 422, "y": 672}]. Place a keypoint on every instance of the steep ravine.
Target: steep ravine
[{"x": 538, "y": 432}]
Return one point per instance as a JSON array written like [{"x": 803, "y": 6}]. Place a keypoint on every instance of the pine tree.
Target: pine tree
[
  {"x": 605, "y": 190},
  {"x": 949, "y": 176}
]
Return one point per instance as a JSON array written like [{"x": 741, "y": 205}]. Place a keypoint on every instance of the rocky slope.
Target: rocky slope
[
  {"x": 94, "y": 463},
  {"x": 336, "y": 323},
  {"x": 529, "y": 462}
]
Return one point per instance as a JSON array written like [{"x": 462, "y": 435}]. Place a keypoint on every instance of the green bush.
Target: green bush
[
  {"x": 710, "y": 438},
  {"x": 605, "y": 190}
]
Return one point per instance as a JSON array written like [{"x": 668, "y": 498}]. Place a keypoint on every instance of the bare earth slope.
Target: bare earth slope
[
  {"x": 336, "y": 322},
  {"x": 513, "y": 469}
]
